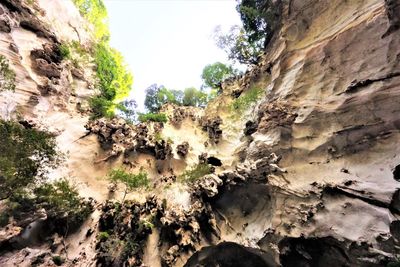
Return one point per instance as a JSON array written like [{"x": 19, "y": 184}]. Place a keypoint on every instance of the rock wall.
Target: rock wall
[{"x": 306, "y": 176}]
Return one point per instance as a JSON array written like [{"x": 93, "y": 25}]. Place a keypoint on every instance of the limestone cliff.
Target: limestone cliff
[{"x": 307, "y": 175}]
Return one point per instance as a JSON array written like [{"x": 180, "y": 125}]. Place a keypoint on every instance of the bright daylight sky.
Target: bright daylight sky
[{"x": 168, "y": 42}]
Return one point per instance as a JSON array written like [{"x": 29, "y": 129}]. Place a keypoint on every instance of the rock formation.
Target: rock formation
[{"x": 307, "y": 175}]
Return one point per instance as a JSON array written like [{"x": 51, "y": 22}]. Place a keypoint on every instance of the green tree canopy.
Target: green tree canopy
[
  {"x": 237, "y": 45},
  {"x": 194, "y": 97},
  {"x": 96, "y": 13},
  {"x": 26, "y": 155},
  {"x": 260, "y": 18},
  {"x": 154, "y": 99},
  {"x": 214, "y": 74}
]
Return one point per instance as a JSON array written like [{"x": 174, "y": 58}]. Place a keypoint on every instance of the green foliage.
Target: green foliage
[
  {"x": 196, "y": 172},
  {"x": 260, "y": 18},
  {"x": 156, "y": 117},
  {"x": 103, "y": 236},
  {"x": 64, "y": 51},
  {"x": 60, "y": 198},
  {"x": 7, "y": 75},
  {"x": 25, "y": 156},
  {"x": 115, "y": 81},
  {"x": 101, "y": 107},
  {"x": 114, "y": 78},
  {"x": 157, "y": 96},
  {"x": 78, "y": 48},
  {"x": 96, "y": 13},
  {"x": 247, "y": 98},
  {"x": 128, "y": 108},
  {"x": 214, "y": 74},
  {"x": 130, "y": 180},
  {"x": 58, "y": 260},
  {"x": 237, "y": 45},
  {"x": 193, "y": 97}
]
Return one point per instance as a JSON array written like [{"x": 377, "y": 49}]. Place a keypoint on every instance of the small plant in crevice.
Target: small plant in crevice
[
  {"x": 7, "y": 75},
  {"x": 195, "y": 172},
  {"x": 245, "y": 100},
  {"x": 58, "y": 260},
  {"x": 155, "y": 117},
  {"x": 124, "y": 230},
  {"x": 64, "y": 50},
  {"x": 130, "y": 180},
  {"x": 103, "y": 236}
]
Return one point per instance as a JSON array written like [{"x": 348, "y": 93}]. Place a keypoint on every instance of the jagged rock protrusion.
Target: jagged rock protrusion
[
  {"x": 182, "y": 149},
  {"x": 28, "y": 20},
  {"x": 163, "y": 150},
  {"x": 47, "y": 60},
  {"x": 123, "y": 231},
  {"x": 272, "y": 115},
  {"x": 212, "y": 127}
]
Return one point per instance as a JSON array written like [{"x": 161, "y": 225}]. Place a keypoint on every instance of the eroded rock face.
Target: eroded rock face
[
  {"x": 28, "y": 20},
  {"x": 182, "y": 149},
  {"x": 123, "y": 233},
  {"x": 272, "y": 115},
  {"x": 212, "y": 127},
  {"x": 122, "y": 137},
  {"x": 229, "y": 254},
  {"x": 317, "y": 180}
]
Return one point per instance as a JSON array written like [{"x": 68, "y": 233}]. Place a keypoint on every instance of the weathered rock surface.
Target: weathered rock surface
[
  {"x": 212, "y": 127},
  {"x": 314, "y": 183}
]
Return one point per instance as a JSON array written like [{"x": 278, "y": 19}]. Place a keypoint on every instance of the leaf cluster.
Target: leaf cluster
[
  {"x": 130, "y": 180},
  {"x": 96, "y": 13},
  {"x": 157, "y": 96},
  {"x": 195, "y": 172},
  {"x": 155, "y": 117},
  {"x": 114, "y": 78},
  {"x": 7, "y": 75},
  {"x": 214, "y": 74},
  {"x": 247, "y": 98},
  {"x": 26, "y": 155},
  {"x": 64, "y": 50}
]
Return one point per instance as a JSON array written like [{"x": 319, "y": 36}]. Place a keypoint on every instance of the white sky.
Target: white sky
[{"x": 168, "y": 41}]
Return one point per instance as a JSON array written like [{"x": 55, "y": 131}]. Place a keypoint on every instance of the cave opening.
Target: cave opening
[
  {"x": 230, "y": 254},
  {"x": 214, "y": 161},
  {"x": 396, "y": 173}
]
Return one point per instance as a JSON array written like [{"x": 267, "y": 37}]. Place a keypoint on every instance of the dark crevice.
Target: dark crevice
[
  {"x": 214, "y": 161},
  {"x": 335, "y": 190},
  {"x": 356, "y": 85},
  {"x": 324, "y": 251},
  {"x": 229, "y": 254},
  {"x": 396, "y": 173}
]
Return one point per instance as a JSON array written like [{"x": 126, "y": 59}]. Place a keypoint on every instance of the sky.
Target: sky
[{"x": 168, "y": 42}]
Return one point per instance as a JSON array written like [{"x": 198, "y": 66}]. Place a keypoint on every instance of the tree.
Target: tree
[
  {"x": 26, "y": 155},
  {"x": 237, "y": 45},
  {"x": 194, "y": 97},
  {"x": 214, "y": 74},
  {"x": 152, "y": 101},
  {"x": 260, "y": 18},
  {"x": 128, "y": 107},
  {"x": 130, "y": 180}
]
